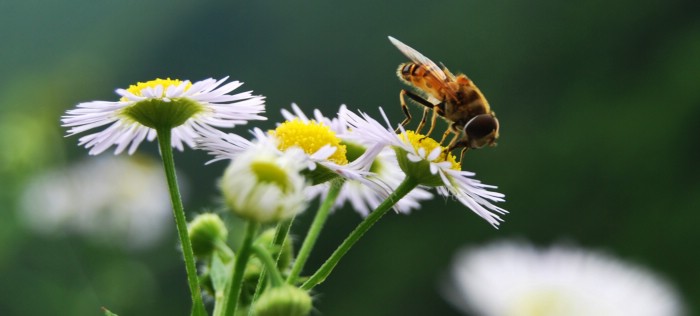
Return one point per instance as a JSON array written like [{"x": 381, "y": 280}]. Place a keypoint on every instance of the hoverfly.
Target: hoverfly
[{"x": 454, "y": 98}]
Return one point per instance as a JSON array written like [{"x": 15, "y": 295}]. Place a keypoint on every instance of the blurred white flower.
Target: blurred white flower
[
  {"x": 117, "y": 200},
  {"x": 516, "y": 279}
]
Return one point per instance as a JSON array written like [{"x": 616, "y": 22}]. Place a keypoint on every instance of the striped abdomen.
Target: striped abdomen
[{"x": 420, "y": 77}]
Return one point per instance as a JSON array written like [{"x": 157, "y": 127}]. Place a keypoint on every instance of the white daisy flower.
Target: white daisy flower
[
  {"x": 189, "y": 109},
  {"x": 324, "y": 154},
  {"x": 515, "y": 279},
  {"x": 264, "y": 186},
  {"x": 364, "y": 199},
  {"x": 116, "y": 200},
  {"x": 386, "y": 173},
  {"x": 426, "y": 161}
]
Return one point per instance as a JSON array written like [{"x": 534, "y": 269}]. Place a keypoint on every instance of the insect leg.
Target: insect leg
[
  {"x": 422, "y": 121},
  {"x": 420, "y": 100},
  {"x": 444, "y": 136},
  {"x": 404, "y": 107},
  {"x": 433, "y": 120},
  {"x": 453, "y": 143},
  {"x": 461, "y": 155}
]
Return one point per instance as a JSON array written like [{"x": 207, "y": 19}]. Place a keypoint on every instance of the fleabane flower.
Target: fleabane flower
[
  {"x": 119, "y": 200},
  {"x": 264, "y": 186},
  {"x": 517, "y": 279},
  {"x": 427, "y": 162},
  {"x": 324, "y": 153},
  {"x": 190, "y": 110},
  {"x": 385, "y": 174}
]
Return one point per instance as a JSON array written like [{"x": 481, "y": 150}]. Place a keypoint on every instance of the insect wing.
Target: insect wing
[{"x": 418, "y": 58}]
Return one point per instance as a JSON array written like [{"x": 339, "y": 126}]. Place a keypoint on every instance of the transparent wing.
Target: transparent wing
[{"x": 418, "y": 58}]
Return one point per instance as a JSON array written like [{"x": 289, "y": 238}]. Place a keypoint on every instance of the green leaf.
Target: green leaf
[
  {"x": 108, "y": 312},
  {"x": 219, "y": 273}
]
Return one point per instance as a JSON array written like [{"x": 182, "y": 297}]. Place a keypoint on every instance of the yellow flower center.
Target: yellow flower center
[
  {"x": 269, "y": 172},
  {"x": 138, "y": 87},
  {"x": 310, "y": 137},
  {"x": 428, "y": 144},
  {"x": 542, "y": 303}
]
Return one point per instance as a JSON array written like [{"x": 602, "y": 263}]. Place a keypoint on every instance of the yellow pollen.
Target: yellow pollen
[
  {"x": 310, "y": 137},
  {"x": 138, "y": 87},
  {"x": 428, "y": 144}
]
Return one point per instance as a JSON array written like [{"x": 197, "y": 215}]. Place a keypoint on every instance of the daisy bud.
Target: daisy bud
[
  {"x": 263, "y": 186},
  {"x": 284, "y": 300},
  {"x": 205, "y": 230}
]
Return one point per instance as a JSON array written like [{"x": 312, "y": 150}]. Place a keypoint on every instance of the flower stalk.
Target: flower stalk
[
  {"x": 281, "y": 233},
  {"x": 270, "y": 265},
  {"x": 314, "y": 231},
  {"x": 234, "y": 288},
  {"x": 319, "y": 276},
  {"x": 166, "y": 151}
]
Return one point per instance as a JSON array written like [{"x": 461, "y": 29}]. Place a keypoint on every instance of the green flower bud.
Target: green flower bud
[
  {"x": 205, "y": 231},
  {"x": 285, "y": 300}
]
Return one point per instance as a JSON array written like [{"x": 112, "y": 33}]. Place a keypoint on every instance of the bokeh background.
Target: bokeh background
[{"x": 598, "y": 102}]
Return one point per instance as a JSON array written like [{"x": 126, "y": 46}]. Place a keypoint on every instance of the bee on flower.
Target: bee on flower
[{"x": 424, "y": 160}]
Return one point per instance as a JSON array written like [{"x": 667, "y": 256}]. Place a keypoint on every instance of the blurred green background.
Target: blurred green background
[{"x": 598, "y": 103}]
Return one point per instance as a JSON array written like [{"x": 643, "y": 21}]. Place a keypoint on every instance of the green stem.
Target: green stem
[
  {"x": 314, "y": 231},
  {"x": 234, "y": 288},
  {"x": 270, "y": 265},
  {"x": 219, "y": 301},
  {"x": 166, "y": 152},
  {"x": 281, "y": 233},
  {"x": 224, "y": 251},
  {"x": 404, "y": 188}
]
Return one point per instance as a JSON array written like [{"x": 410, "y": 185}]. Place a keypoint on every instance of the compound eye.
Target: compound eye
[{"x": 481, "y": 126}]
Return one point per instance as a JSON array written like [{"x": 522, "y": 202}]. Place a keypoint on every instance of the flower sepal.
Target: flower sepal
[
  {"x": 319, "y": 175},
  {"x": 419, "y": 170},
  {"x": 163, "y": 113}
]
